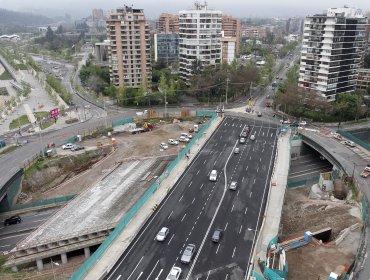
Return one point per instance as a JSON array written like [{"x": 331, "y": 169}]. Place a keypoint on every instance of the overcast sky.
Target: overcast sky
[{"x": 152, "y": 8}]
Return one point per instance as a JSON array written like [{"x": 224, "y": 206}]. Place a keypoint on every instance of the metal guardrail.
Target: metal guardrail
[
  {"x": 354, "y": 139},
  {"x": 142, "y": 200}
]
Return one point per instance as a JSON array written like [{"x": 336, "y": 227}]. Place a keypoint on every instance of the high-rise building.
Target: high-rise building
[
  {"x": 129, "y": 49},
  {"x": 166, "y": 47},
  {"x": 97, "y": 14},
  {"x": 332, "y": 49},
  {"x": 168, "y": 23},
  {"x": 228, "y": 49},
  {"x": 231, "y": 28},
  {"x": 199, "y": 39}
]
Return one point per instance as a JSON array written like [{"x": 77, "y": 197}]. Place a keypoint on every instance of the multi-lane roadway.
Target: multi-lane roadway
[
  {"x": 197, "y": 206},
  {"x": 12, "y": 234}
]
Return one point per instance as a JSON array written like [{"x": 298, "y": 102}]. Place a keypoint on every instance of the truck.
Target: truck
[
  {"x": 146, "y": 127},
  {"x": 366, "y": 172}
]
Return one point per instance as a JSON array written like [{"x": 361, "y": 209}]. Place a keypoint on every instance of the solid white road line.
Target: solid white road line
[
  {"x": 14, "y": 236},
  {"x": 153, "y": 269},
  {"x": 139, "y": 275},
  {"x": 214, "y": 215},
  {"x": 209, "y": 272},
  {"x": 119, "y": 277},
  {"x": 135, "y": 268}
]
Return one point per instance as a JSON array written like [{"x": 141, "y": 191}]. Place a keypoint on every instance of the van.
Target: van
[{"x": 213, "y": 176}]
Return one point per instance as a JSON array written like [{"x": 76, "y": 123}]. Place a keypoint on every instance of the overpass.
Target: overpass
[{"x": 350, "y": 161}]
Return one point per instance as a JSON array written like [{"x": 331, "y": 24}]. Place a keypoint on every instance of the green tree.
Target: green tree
[
  {"x": 162, "y": 86},
  {"x": 368, "y": 90}
]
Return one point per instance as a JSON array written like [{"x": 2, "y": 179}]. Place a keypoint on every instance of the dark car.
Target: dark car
[
  {"x": 12, "y": 220},
  {"x": 216, "y": 236}
]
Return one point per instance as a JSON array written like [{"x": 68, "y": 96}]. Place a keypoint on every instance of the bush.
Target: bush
[{"x": 69, "y": 121}]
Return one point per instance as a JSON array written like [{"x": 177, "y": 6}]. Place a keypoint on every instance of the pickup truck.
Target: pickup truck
[{"x": 366, "y": 172}]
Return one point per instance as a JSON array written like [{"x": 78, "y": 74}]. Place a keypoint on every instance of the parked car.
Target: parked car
[
  {"x": 216, "y": 236},
  {"x": 242, "y": 140},
  {"x": 187, "y": 135},
  {"x": 350, "y": 143},
  {"x": 233, "y": 185},
  {"x": 12, "y": 220},
  {"x": 173, "y": 142},
  {"x": 174, "y": 273},
  {"x": 162, "y": 234},
  {"x": 67, "y": 146},
  {"x": 183, "y": 139},
  {"x": 76, "y": 148},
  {"x": 164, "y": 146},
  {"x": 188, "y": 254},
  {"x": 213, "y": 175}
]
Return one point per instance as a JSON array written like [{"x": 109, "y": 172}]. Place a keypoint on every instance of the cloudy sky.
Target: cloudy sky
[{"x": 152, "y": 8}]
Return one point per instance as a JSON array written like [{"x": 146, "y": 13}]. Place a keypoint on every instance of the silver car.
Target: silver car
[
  {"x": 188, "y": 254},
  {"x": 233, "y": 185}
]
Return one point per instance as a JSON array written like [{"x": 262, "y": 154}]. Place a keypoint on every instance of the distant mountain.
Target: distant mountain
[{"x": 18, "y": 19}]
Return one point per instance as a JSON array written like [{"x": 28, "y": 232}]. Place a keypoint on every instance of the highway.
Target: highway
[
  {"x": 12, "y": 234},
  {"x": 197, "y": 206}
]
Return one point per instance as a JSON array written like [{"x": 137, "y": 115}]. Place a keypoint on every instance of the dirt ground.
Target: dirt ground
[
  {"x": 302, "y": 214},
  {"x": 129, "y": 146}
]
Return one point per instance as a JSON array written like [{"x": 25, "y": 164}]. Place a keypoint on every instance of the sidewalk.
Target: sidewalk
[
  {"x": 270, "y": 225},
  {"x": 119, "y": 245}
]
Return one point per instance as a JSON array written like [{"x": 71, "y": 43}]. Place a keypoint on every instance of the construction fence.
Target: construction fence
[
  {"x": 307, "y": 181},
  {"x": 142, "y": 200},
  {"x": 354, "y": 139}
]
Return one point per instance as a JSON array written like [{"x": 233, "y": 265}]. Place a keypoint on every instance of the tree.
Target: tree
[
  {"x": 59, "y": 29},
  {"x": 122, "y": 96},
  {"x": 162, "y": 86},
  {"x": 368, "y": 90},
  {"x": 49, "y": 36},
  {"x": 196, "y": 67}
]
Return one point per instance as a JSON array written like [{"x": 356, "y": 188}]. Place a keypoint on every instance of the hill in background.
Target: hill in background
[{"x": 11, "y": 21}]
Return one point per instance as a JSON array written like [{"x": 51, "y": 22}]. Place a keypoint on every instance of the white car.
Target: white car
[
  {"x": 173, "y": 142},
  {"x": 253, "y": 137},
  {"x": 233, "y": 185},
  {"x": 302, "y": 123},
  {"x": 213, "y": 176},
  {"x": 183, "y": 139},
  {"x": 187, "y": 135},
  {"x": 164, "y": 146},
  {"x": 174, "y": 273},
  {"x": 67, "y": 146},
  {"x": 162, "y": 234},
  {"x": 350, "y": 143}
]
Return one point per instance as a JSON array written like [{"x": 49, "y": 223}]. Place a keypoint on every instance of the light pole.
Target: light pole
[
  {"x": 165, "y": 103},
  {"x": 52, "y": 267},
  {"x": 227, "y": 88}
]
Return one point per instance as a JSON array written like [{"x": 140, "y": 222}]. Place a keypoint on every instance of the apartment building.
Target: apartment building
[
  {"x": 332, "y": 49},
  {"x": 363, "y": 79},
  {"x": 253, "y": 32},
  {"x": 166, "y": 47},
  {"x": 129, "y": 48},
  {"x": 228, "y": 49},
  {"x": 168, "y": 23},
  {"x": 231, "y": 28},
  {"x": 199, "y": 38}
]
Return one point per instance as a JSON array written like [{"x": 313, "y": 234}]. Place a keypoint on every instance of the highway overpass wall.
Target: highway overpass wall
[{"x": 9, "y": 192}]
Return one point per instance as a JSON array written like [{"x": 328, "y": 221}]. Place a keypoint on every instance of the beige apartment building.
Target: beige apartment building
[
  {"x": 129, "y": 47},
  {"x": 168, "y": 23},
  {"x": 231, "y": 28}
]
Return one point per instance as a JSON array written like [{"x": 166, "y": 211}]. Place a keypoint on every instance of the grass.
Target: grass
[
  {"x": 22, "y": 120},
  {"x": 8, "y": 149},
  {"x": 21, "y": 67},
  {"x": 6, "y": 76}
]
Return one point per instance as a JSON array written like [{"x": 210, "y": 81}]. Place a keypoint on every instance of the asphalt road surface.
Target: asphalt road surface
[
  {"x": 12, "y": 234},
  {"x": 196, "y": 206}
]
